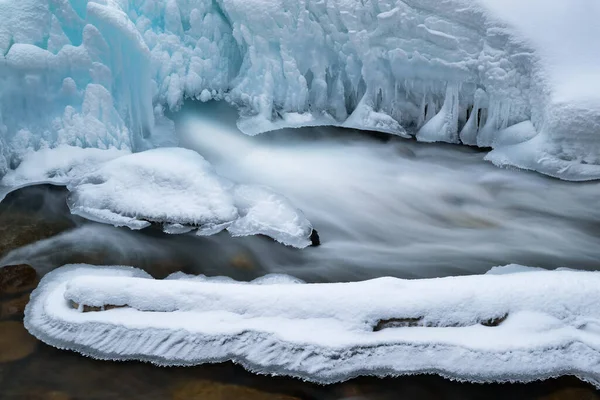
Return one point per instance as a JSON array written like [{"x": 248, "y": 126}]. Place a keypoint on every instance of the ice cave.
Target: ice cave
[{"x": 314, "y": 189}]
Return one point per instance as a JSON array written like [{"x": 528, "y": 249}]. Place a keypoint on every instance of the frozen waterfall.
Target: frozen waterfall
[{"x": 492, "y": 73}]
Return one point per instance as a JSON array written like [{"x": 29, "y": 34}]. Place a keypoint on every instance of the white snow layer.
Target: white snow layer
[
  {"x": 57, "y": 166},
  {"x": 174, "y": 187},
  {"x": 100, "y": 73},
  {"x": 506, "y": 326},
  {"x": 178, "y": 188}
]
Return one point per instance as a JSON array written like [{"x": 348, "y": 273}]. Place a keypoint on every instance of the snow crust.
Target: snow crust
[
  {"x": 101, "y": 73},
  {"x": 483, "y": 328},
  {"x": 57, "y": 166},
  {"x": 179, "y": 189},
  {"x": 174, "y": 187}
]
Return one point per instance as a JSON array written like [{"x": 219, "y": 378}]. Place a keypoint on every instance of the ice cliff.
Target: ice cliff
[{"x": 521, "y": 77}]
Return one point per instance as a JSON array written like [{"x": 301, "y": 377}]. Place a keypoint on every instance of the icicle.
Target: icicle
[
  {"x": 468, "y": 135},
  {"x": 493, "y": 123},
  {"x": 444, "y": 126}
]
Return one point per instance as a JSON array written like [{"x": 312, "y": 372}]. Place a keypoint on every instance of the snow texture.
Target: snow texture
[
  {"x": 179, "y": 189},
  {"x": 174, "y": 187},
  {"x": 56, "y": 166},
  {"x": 516, "y": 325},
  {"x": 101, "y": 73}
]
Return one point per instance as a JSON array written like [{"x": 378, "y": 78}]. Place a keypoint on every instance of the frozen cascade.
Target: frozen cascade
[{"x": 101, "y": 73}]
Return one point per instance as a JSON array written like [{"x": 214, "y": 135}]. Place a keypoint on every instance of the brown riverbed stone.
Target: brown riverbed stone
[
  {"x": 573, "y": 394},
  {"x": 15, "y": 342},
  {"x": 13, "y": 307},
  {"x": 37, "y": 394},
  {"x": 243, "y": 262},
  {"x": 209, "y": 390},
  {"x": 18, "y": 229},
  {"x": 17, "y": 278}
]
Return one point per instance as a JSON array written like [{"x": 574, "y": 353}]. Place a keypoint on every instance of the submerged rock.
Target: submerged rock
[
  {"x": 572, "y": 394},
  {"x": 209, "y": 390},
  {"x": 13, "y": 307},
  {"x": 243, "y": 261},
  {"x": 15, "y": 342},
  {"x": 17, "y": 278},
  {"x": 18, "y": 229},
  {"x": 41, "y": 394}
]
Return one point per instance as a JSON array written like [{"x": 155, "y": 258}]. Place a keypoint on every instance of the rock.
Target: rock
[
  {"x": 242, "y": 261},
  {"x": 40, "y": 394},
  {"x": 494, "y": 321},
  {"x": 14, "y": 307},
  {"x": 210, "y": 390},
  {"x": 17, "y": 278},
  {"x": 161, "y": 268},
  {"x": 85, "y": 308},
  {"x": 398, "y": 323},
  {"x": 15, "y": 342},
  {"x": 18, "y": 229},
  {"x": 315, "y": 240},
  {"x": 572, "y": 394}
]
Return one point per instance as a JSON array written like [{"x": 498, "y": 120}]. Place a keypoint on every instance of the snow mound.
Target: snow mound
[
  {"x": 101, "y": 73},
  {"x": 173, "y": 187},
  {"x": 483, "y": 328},
  {"x": 179, "y": 189}
]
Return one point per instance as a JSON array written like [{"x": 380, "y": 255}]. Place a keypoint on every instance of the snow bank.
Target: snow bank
[
  {"x": 100, "y": 73},
  {"x": 513, "y": 326}
]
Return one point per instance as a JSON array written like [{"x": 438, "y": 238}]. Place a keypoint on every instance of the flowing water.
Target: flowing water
[
  {"x": 381, "y": 205},
  {"x": 387, "y": 206}
]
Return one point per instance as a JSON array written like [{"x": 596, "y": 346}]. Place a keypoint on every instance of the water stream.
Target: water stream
[{"x": 381, "y": 205}]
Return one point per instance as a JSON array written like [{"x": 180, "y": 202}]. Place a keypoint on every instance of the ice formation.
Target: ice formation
[
  {"x": 58, "y": 166},
  {"x": 174, "y": 187},
  {"x": 179, "y": 189},
  {"x": 101, "y": 73},
  {"x": 514, "y": 325}
]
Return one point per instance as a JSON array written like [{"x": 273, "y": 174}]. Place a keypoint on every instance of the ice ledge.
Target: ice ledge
[{"x": 523, "y": 326}]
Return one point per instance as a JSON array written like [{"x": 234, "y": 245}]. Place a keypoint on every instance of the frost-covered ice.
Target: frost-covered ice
[
  {"x": 514, "y": 326},
  {"x": 58, "y": 166},
  {"x": 101, "y": 73},
  {"x": 178, "y": 188}
]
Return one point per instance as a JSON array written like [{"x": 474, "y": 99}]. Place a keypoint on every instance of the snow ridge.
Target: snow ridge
[{"x": 525, "y": 325}]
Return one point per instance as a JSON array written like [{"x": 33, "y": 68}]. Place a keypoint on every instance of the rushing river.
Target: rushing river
[{"x": 382, "y": 206}]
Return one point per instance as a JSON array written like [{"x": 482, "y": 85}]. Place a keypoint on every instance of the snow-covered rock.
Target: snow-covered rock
[
  {"x": 174, "y": 187},
  {"x": 179, "y": 189},
  {"x": 100, "y": 73},
  {"x": 505, "y": 326}
]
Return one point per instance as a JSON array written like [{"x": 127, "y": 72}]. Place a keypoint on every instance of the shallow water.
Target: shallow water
[{"x": 382, "y": 206}]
